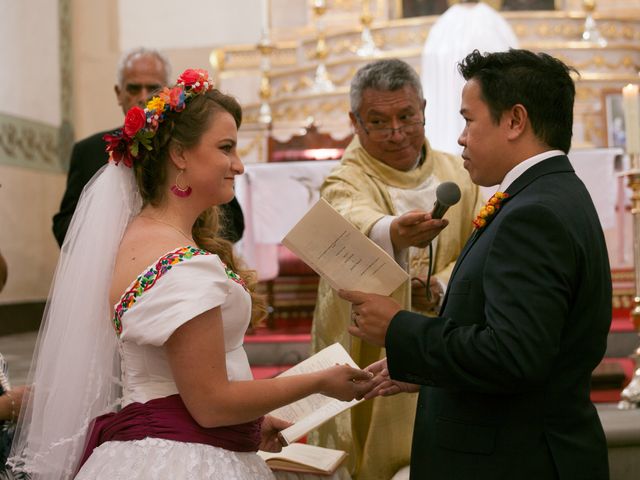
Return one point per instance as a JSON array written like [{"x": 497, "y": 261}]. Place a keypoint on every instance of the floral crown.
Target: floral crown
[{"x": 141, "y": 125}]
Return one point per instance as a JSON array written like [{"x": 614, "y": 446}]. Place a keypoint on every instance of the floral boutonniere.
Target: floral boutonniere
[{"x": 489, "y": 210}]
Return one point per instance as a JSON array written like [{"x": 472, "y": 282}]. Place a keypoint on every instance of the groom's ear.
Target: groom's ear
[{"x": 517, "y": 119}]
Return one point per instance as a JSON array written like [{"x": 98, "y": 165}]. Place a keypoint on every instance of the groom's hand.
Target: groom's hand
[
  {"x": 383, "y": 385},
  {"x": 371, "y": 315}
]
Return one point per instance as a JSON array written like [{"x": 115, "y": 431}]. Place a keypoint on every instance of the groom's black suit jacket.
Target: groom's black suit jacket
[
  {"x": 506, "y": 366},
  {"x": 87, "y": 157}
]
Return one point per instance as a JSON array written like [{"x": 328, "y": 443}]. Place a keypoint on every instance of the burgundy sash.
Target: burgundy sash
[{"x": 169, "y": 419}]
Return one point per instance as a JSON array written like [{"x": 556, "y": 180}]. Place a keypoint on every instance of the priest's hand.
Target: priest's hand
[
  {"x": 415, "y": 229},
  {"x": 420, "y": 302},
  {"x": 371, "y": 315}
]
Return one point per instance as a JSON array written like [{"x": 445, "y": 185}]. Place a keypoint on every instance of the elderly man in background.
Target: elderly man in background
[
  {"x": 141, "y": 72},
  {"x": 385, "y": 186}
]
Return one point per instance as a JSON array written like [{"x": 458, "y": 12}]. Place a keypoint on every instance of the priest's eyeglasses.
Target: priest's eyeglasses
[{"x": 380, "y": 131}]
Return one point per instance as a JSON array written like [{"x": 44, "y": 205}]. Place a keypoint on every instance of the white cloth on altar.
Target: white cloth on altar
[
  {"x": 458, "y": 31},
  {"x": 274, "y": 197},
  {"x": 596, "y": 168}
]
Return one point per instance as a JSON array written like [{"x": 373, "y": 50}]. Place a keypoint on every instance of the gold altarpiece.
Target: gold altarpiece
[{"x": 284, "y": 81}]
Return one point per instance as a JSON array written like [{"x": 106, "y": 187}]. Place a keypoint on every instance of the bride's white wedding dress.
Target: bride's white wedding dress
[{"x": 176, "y": 288}]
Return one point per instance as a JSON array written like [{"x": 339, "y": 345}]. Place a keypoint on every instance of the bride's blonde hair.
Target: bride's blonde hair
[{"x": 185, "y": 128}]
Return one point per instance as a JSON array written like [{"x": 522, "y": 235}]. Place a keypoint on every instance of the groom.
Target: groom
[{"x": 504, "y": 371}]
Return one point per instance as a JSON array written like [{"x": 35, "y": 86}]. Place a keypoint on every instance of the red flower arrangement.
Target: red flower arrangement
[
  {"x": 489, "y": 209},
  {"x": 140, "y": 125}
]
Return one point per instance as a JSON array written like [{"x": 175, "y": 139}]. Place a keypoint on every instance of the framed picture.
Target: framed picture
[{"x": 614, "y": 132}]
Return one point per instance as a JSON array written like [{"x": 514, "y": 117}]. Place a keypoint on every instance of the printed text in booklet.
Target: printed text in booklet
[
  {"x": 343, "y": 255},
  {"x": 312, "y": 411}
]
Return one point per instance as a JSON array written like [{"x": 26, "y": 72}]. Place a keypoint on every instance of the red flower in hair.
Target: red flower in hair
[
  {"x": 118, "y": 145},
  {"x": 134, "y": 121},
  {"x": 174, "y": 97},
  {"x": 196, "y": 79}
]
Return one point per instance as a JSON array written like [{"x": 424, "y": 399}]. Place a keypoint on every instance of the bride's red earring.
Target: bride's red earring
[{"x": 179, "y": 191}]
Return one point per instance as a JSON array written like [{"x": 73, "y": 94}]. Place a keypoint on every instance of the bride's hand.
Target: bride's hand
[
  {"x": 344, "y": 382},
  {"x": 382, "y": 384},
  {"x": 271, "y": 427}
]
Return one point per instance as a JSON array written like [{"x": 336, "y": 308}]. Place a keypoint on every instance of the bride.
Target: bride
[{"x": 139, "y": 370}]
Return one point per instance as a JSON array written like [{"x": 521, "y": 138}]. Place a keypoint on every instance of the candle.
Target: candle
[
  {"x": 631, "y": 118},
  {"x": 266, "y": 19}
]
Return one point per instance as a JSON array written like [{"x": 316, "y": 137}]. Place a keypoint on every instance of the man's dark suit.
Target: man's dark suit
[
  {"x": 506, "y": 366},
  {"x": 87, "y": 157}
]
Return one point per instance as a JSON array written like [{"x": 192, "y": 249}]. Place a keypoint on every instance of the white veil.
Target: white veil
[{"x": 75, "y": 368}]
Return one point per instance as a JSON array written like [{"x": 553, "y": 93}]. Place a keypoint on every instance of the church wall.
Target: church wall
[{"x": 30, "y": 119}]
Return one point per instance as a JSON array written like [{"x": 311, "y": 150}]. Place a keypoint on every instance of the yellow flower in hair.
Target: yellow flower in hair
[{"x": 156, "y": 104}]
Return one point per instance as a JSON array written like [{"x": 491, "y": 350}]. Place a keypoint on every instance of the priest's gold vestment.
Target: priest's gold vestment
[{"x": 377, "y": 433}]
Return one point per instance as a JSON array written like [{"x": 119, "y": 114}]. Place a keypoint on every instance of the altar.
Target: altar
[{"x": 274, "y": 196}]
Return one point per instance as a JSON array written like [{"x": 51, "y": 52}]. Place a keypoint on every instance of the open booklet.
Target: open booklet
[
  {"x": 342, "y": 254},
  {"x": 312, "y": 411},
  {"x": 299, "y": 457}
]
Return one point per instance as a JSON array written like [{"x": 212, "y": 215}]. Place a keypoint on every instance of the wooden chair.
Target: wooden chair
[{"x": 291, "y": 296}]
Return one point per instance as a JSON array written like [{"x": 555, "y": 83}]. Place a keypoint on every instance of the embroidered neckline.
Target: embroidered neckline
[
  {"x": 489, "y": 209},
  {"x": 149, "y": 278},
  {"x": 231, "y": 275},
  {"x": 152, "y": 273}
]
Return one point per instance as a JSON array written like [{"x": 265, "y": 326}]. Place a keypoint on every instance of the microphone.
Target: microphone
[{"x": 447, "y": 194}]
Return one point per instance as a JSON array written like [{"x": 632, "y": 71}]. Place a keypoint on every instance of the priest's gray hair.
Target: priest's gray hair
[
  {"x": 127, "y": 56},
  {"x": 387, "y": 75}
]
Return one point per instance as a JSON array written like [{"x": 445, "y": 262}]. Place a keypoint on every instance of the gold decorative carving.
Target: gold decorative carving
[
  {"x": 600, "y": 61},
  {"x": 245, "y": 57},
  {"x": 616, "y": 68},
  {"x": 301, "y": 111},
  {"x": 586, "y": 93},
  {"x": 571, "y": 29},
  {"x": 305, "y": 82},
  {"x": 555, "y": 32},
  {"x": 593, "y": 133},
  {"x": 400, "y": 38},
  {"x": 344, "y": 4}
]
